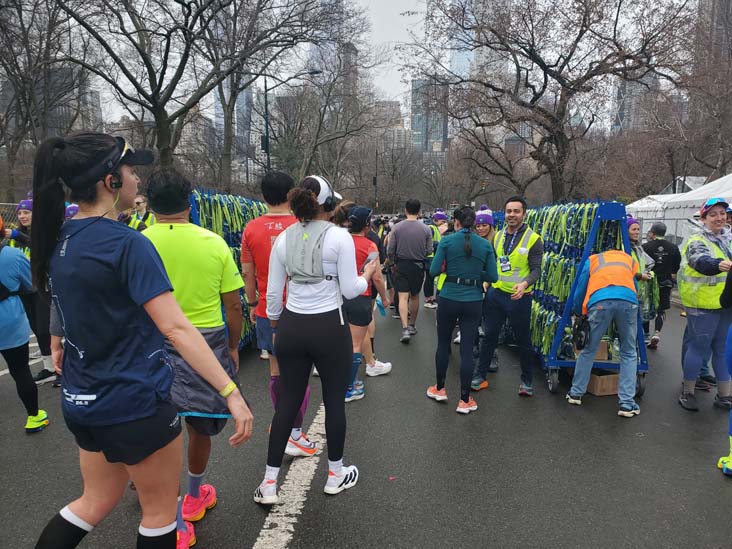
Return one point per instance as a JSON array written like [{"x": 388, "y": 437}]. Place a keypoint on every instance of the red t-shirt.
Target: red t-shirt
[
  {"x": 256, "y": 244},
  {"x": 364, "y": 246}
]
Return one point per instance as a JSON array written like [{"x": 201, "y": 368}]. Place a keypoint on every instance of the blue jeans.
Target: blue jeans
[
  {"x": 706, "y": 330},
  {"x": 625, "y": 315}
]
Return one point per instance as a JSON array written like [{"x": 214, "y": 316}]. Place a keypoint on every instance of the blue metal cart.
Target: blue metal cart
[{"x": 607, "y": 211}]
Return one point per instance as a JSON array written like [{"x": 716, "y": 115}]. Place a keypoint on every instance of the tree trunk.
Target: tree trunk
[
  {"x": 227, "y": 145},
  {"x": 164, "y": 138}
]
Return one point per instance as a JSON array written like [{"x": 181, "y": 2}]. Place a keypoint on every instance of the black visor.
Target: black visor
[{"x": 121, "y": 153}]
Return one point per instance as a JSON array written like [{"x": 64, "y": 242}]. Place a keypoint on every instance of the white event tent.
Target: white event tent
[{"x": 680, "y": 212}]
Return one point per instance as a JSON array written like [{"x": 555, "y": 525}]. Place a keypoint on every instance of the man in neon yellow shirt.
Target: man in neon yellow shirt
[{"x": 204, "y": 275}]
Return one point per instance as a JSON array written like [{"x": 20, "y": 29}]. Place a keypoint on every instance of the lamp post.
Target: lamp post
[
  {"x": 265, "y": 142},
  {"x": 376, "y": 180}
]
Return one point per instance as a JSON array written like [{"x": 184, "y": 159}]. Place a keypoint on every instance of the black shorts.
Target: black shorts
[
  {"x": 359, "y": 311},
  {"x": 206, "y": 426},
  {"x": 132, "y": 441},
  {"x": 409, "y": 277},
  {"x": 664, "y": 298}
]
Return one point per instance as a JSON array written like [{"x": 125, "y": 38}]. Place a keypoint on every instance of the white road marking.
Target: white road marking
[
  {"x": 3, "y": 372},
  {"x": 279, "y": 527}
]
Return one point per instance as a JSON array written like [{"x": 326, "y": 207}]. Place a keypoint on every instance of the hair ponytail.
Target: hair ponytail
[
  {"x": 48, "y": 209},
  {"x": 59, "y": 158},
  {"x": 466, "y": 216},
  {"x": 303, "y": 203}
]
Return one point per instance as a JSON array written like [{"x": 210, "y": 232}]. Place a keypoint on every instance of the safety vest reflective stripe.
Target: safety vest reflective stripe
[
  {"x": 602, "y": 262},
  {"x": 709, "y": 280}
]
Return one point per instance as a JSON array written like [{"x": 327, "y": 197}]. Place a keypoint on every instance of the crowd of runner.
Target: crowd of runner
[{"x": 137, "y": 314}]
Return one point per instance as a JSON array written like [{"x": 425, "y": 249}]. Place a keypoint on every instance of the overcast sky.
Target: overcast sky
[{"x": 388, "y": 27}]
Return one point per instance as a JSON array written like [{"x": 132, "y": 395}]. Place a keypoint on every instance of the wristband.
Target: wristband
[
  {"x": 254, "y": 304},
  {"x": 228, "y": 389}
]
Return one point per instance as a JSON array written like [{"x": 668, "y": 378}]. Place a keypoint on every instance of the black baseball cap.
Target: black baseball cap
[
  {"x": 359, "y": 216},
  {"x": 120, "y": 153}
]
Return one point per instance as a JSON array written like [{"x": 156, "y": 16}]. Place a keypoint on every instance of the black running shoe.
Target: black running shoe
[
  {"x": 702, "y": 385},
  {"x": 723, "y": 402},
  {"x": 709, "y": 379},
  {"x": 688, "y": 402},
  {"x": 44, "y": 376}
]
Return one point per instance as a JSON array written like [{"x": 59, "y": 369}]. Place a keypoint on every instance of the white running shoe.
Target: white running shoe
[
  {"x": 456, "y": 341},
  {"x": 378, "y": 369},
  {"x": 302, "y": 447},
  {"x": 337, "y": 483},
  {"x": 430, "y": 305},
  {"x": 266, "y": 493},
  {"x": 264, "y": 355},
  {"x": 315, "y": 372}
]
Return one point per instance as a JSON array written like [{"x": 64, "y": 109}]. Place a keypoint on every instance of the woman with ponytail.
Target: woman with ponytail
[
  {"x": 113, "y": 297},
  {"x": 469, "y": 261},
  {"x": 317, "y": 261}
]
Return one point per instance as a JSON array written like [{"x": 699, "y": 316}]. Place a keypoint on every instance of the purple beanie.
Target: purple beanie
[
  {"x": 72, "y": 210},
  {"x": 484, "y": 217},
  {"x": 483, "y": 207},
  {"x": 439, "y": 215},
  {"x": 24, "y": 205},
  {"x": 631, "y": 221}
]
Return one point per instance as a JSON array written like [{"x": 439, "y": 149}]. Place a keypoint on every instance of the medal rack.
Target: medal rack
[{"x": 601, "y": 226}]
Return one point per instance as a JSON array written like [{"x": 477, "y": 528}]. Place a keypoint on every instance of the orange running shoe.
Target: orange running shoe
[
  {"x": 467, "y": 407},
  {"x": 479, "y": 384},
  {"x": 194, "y": 509},
  {"x": 434, "y": 394},
  {"x": 187, "y": 538}
]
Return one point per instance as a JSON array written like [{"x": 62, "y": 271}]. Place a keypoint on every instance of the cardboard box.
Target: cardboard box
[
  {"x": 602, "y": 351},
  {"x": 603, "y": 383}
]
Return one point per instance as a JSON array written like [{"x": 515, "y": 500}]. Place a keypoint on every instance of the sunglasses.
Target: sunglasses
[{"x": 139, "y": 203}]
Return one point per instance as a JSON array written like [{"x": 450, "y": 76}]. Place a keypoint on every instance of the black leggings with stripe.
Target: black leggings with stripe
[{"x": 301, "y": 341}]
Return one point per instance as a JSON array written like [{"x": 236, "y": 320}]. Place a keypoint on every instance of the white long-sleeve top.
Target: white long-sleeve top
[{"x": 339, "y": 259}]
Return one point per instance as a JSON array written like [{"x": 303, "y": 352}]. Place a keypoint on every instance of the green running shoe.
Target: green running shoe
[{"x": 36, "y": 423}]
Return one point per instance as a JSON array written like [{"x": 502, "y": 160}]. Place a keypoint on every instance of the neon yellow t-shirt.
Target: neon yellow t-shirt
[{"x": 200, "y": 267}]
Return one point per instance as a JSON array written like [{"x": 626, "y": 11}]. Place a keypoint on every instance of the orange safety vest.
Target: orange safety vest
[{"x": 612, "y": 268}]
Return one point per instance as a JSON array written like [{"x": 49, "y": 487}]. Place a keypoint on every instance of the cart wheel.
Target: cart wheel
[
  {"x": 552, "y": 380},
  {"x": 640, "y": 386}
]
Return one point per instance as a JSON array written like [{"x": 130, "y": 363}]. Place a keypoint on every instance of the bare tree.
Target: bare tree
[
  {"x": 546, "y": 63},
  {"x": 156, "y": 53},
  {"x": 40, "y": 94}
]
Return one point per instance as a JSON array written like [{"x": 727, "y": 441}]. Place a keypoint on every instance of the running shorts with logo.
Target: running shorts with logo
[{"x": 132, "y": 441}]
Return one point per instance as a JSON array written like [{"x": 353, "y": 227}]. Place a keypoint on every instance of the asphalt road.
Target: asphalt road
[{"x": 519, "y": 472}]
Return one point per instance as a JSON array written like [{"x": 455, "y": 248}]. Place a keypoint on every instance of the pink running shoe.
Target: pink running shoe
[
  {"x": 186, "y": 539},
  {"x": 194, "y": 509}
]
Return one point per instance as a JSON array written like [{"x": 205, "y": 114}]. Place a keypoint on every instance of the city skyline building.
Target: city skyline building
[{"x": 429, "y": 117}]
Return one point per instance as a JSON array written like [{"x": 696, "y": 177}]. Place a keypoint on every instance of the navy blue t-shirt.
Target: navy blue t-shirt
[{"x": 114, "y": 367}]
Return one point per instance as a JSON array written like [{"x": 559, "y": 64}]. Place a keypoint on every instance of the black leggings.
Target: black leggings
[
  {"x": 302, "y": 341},
  {"x": 449, "y": 313},
  {"x": 17, "y": 359},
  {"x": 38, "y": 312}
]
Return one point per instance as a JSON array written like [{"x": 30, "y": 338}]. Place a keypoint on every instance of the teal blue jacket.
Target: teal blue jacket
[{"x": 480, "y": 265}]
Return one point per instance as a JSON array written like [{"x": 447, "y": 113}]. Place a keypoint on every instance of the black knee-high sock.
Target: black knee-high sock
[
  {"x": 166, "y": 541},
  {"x": 59, "y": 533}
]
